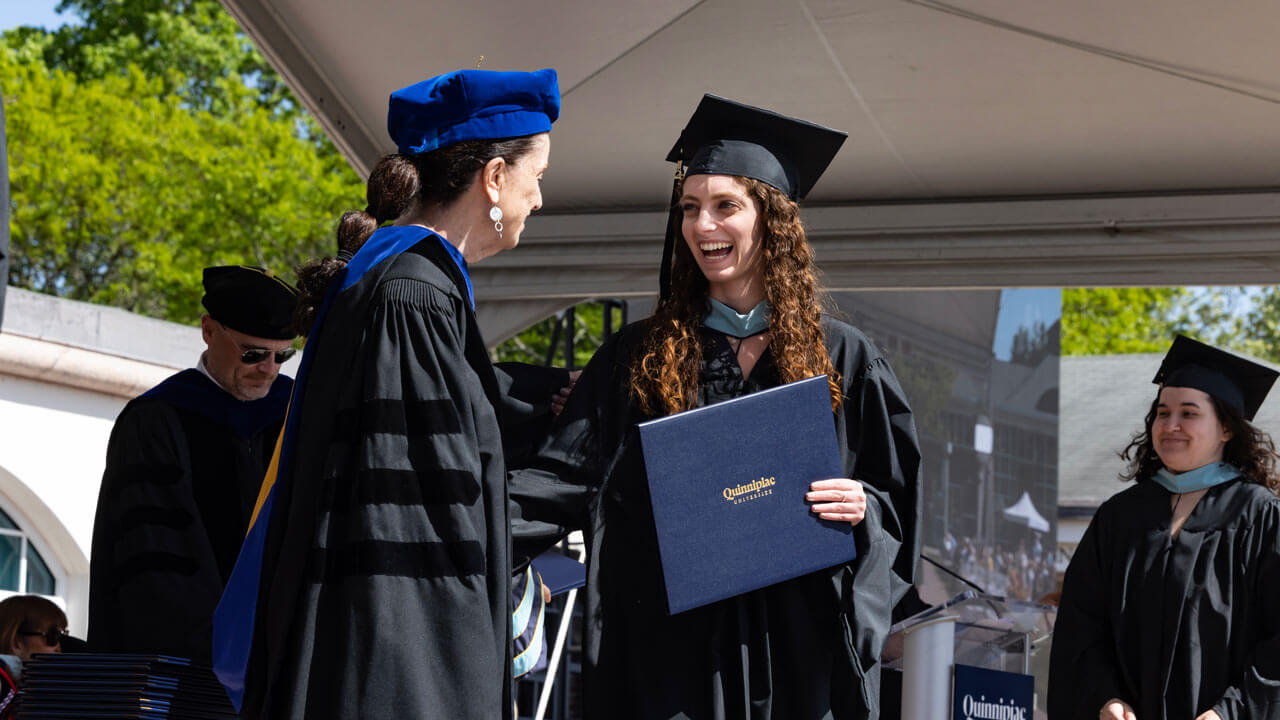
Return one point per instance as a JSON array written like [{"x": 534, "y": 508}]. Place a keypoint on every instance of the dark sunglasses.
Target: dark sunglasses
[
  {"x": 52, "y": 637},
  {"x": 253, "y": 356}
]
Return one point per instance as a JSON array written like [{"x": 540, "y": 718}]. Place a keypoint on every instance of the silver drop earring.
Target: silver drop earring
[{"x": 495, "y": 214}]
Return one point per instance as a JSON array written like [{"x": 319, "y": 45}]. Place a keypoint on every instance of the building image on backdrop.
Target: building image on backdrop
[{"x": 988, "y": 431}]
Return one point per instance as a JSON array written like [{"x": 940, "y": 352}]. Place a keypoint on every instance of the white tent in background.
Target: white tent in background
[
  {"x": 992, "y": 144},
  {"x": 1024, "y": 512}
]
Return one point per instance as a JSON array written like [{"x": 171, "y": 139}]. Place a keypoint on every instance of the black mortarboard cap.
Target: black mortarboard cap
[
  {"x": 1241, "y": 384},
  {"x": 250, "y": 300},
  {"x": 724, "y": 137}
]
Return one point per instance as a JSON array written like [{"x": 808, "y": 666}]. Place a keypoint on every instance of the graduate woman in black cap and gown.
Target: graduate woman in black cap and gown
[
  {"x": 1171, "y": 604},
  {"x": 380, "y": 587},
  {"x": 739, "y": 313}
]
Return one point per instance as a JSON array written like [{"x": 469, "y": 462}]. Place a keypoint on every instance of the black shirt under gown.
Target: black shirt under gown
[
  {"x": 799, "y": 650},
  {"x": 1173, "y": 626}
]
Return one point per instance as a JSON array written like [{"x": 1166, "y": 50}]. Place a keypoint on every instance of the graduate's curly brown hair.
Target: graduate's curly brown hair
[
  {"x": 1249, "y": 449},
  {"x": 664, "y": 375}
]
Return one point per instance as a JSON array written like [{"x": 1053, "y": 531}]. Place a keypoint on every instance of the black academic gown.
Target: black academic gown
[
  {"x": 386, "y": 578},
  {"x": 800, "y": 650},
  {"x": 184, "y": 463},
  {"x": 1173, "y": 627}
]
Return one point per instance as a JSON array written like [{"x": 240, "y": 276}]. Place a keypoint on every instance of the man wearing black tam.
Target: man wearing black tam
[
  {"x": 183, "y": 468},
  {"x": 1169, "y": 605}
]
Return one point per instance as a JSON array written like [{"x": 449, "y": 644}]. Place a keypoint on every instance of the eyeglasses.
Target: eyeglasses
[
  {"x": 52, "y": 636},
  {"x": 253, "y": 356}
]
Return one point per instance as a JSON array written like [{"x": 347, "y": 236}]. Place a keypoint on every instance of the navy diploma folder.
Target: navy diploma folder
[
  {"x": 727, "y": 483},
  {"x": 559, "y": 573}
]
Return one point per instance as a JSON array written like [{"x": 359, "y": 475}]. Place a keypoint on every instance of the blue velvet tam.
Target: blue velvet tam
[{"x": 472, "y": 105}]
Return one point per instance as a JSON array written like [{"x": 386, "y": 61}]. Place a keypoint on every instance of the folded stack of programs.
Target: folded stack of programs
[{"x": 120, "y": 686}]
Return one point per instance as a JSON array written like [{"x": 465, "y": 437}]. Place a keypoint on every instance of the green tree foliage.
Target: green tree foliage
[
  {"x": 1112, "y": 321},
  {"x": 127, "y": 179},
  {"x": 1263, "y": 325},
  {"x": 532, "y": 345},
  {"x": 192, "y": 47},
  {"x": 1105, "y": 321}
]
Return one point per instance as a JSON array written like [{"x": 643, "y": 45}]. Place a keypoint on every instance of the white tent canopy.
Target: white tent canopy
[
  {"x": 1024, "y": 512},
  {"x": 993, "y": 143}
]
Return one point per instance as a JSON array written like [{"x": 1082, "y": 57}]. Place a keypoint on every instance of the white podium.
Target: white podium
[{"x": 970, "y": 629}]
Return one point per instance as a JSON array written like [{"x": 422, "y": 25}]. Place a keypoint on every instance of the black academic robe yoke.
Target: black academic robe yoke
[
  {"x": 386, "y": 578},
  {"x": 183, "y": 466},
  {"x": 804, "y": 649},
  {"x": 1173, "y": 627}
]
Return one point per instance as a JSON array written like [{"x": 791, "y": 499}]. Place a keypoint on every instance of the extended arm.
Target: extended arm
[{"x": 554, "y": 492}]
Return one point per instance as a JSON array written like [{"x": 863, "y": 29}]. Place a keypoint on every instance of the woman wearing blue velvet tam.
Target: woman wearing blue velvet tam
[
  {"x": 383, "y": 571},
  {"x": 1169, "y": 605}
]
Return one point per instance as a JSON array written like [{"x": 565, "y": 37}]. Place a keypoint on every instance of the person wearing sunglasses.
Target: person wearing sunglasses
[
  {"x": 184, "y": 464},
  {"x": 29, "y": 625}
]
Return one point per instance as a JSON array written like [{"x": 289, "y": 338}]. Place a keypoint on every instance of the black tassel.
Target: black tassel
[{"x": 669, "y": 242}]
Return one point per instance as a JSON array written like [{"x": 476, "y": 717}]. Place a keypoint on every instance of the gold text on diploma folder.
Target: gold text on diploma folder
[{"x": 750, "y": 491}]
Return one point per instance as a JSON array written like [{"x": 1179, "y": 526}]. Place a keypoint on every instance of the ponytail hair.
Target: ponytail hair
[{"x": 433, "y": 179}]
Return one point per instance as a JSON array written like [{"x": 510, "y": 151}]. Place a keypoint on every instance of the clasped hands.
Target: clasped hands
[
  {"x": 839, "y": 499},
  {"x": 1117, "y": 709}
]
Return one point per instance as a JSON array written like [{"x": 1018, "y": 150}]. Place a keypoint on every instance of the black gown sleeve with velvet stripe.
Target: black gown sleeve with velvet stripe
[
  {"x": 386, "y": 577},
  {"x": 183, "y": 465},
  {"x": 154, "y": 579},
  {"x": 525, "y": 392}
]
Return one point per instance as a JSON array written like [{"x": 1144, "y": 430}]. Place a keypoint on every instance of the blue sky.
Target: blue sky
[
  {"x": 1024, "y": 307},
  {"x": 40, "y": 13}
]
